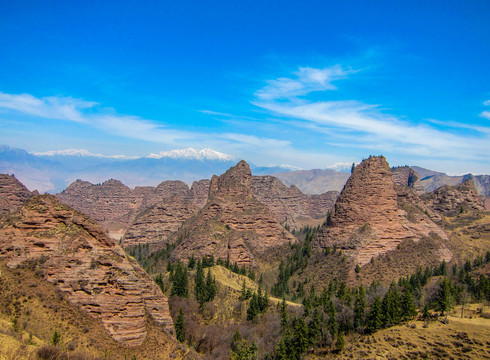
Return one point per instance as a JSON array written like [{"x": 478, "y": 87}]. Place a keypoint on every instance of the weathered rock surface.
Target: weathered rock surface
[
  {"x": 116, "y": 206},
  {"x": 233, "y": 224},
  {"x": 289, "y": 204},
  {"x": 406, "y": 176},
  {"x": 12, "y": 194},
  {"x": 367, "y": 220},
  {"x": 94, "y": 272},
  {"x": 156, "y": 223},
  {"x": 451, "y": 200}
]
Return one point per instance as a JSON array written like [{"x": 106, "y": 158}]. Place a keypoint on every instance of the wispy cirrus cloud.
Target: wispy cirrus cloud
[
  {"x": 307, "y": 80},
  {"x": 486, "y": 114},
  {"x": 357, "y": 124},
  {"x": 91, "y": 114}
]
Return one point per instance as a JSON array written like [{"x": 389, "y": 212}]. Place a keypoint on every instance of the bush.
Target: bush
[{"x": 50, "y": 352}]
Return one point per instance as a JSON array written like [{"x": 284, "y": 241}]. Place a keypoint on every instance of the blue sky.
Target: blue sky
[{"x": 309, "y": 84}]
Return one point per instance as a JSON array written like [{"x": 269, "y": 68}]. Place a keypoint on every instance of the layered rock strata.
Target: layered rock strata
[
  {"x": 406, "y": 176},
  {"x": 451, "y": 200},
  {"x": 157, "y": 222},
  {"x": 74, "y": 252},
  {"x": 12, "y": 194},
  {"x": 233, "y": 224},
  {"x": 367, "y": 220},
  {"x": 289, "y": 204},
  {"x": 116, "y": 206}
]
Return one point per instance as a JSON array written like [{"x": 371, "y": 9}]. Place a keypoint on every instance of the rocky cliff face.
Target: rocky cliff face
[
  {"x": 156, "y": 223},
  {"x": 12, "y": 194},
  {"x": 289, "y": 204},
  {"x": 116, "y": 206},
  {"x": 451, "y": 200},
  {"x": 406, "y": 176},
  {"x": 233, "y": 224},
  {"x": 74, "y": 252},
  {"x": 368, "y": 221}
]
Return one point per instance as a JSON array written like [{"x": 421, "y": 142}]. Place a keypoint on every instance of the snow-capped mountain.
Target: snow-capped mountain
[
  {"x": 80, "y": 152},
  {"x": 52, "y": 171},
  {"x": 193, "y": 154}
]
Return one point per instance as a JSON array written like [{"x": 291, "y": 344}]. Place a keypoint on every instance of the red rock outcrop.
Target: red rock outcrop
[
  {"x": 406, "y": 176},
  {"x": 367, "y": 220},
  {"x": 116, "y": 206},
  {"x": 94, "y": 272},
  {"x": 289, "y": 204},
  {"x": 156, "y": 223},
  {"x": 233, "y": 224},
  {"x": 12, "y": 194},
  {"x": 452, "y": 200}
]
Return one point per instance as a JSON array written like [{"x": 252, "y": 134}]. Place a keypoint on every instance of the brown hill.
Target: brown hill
[
  {"x": 12, "y": 194},
  {"x": 73, "y": 252},
  {"x": 369, "y": 219},
  {"x": 233, "y": 224},
  {"x": 406, "y": 176},
  {"x": 156, "y": 223},
  {"x": 451, "y": 200},
  {"x": 116, "y": 206}
]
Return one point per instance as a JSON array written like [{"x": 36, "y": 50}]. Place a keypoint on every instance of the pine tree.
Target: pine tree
[
  {"x": 200, "y": 286},
  {"x": 211, "y": 287},
  {"x": 332, "y": 324},
  {"x": 375, "y": 316},
  {"x": 444, "y": 296},
  {"x": 253, "y": 308},
  {"x": 284, "y": 315},
  {"x": 360, "y": 309},
  {"x": 314, "y": 329},
  {"x": 299, "y": 339},
  {"x": 340, "y": 342},
  {"x": 56, "y": 338},
  {"x": 408, "y": 305},
  {"x": 180, "y": 326},
  {"x": 391, "y": 306},
  {"x": 180, "y": 281}
]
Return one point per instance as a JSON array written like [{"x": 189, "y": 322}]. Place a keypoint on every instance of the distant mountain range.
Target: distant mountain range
[{"x": 52, "y": 171}]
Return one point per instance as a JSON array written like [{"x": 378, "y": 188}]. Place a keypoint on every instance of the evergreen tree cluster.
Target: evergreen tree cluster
[
  {"x": 179, "y": 279},
  {"x": 205, "y": 287},
  {"x": 297, "y": 261},
  {"x": 240, "y": 348},
  {"x": 240, "y": 270},
  {"x": 180, "y": 326},
  {"x": 259, "y": 302},
  {"x": 339, "y": 310}
]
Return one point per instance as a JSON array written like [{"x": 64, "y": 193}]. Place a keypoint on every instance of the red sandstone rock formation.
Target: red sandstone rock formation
[
  {"x": 233, "y": 224},
  {"x": 116, "y": 206},
  {"x": 368, "y": 220},
  {"x": 451, "y": 200},
  {"x": 156, "y": 223},
  {"x": 12, "y": 194},
  {"x": 289, "y": 204},
  {"x": 406, "y": 176},
  {"x": 94, "y": 272}
]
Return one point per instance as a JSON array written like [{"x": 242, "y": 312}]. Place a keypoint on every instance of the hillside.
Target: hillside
[
  {"x": 30, "y": 314},
  {"x": 458, "y": 339}
]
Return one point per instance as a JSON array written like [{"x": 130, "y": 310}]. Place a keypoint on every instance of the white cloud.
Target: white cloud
[
  {"x": 486, "y": 103},
  {"x": 354, "y": 123},
  {"x": 81, "y": 152},
  {"x": 307, "y": 80},
  {"x": 133, "y": 127},
  {"x": 485, "y": 114},
  {"x": 62, "y": 108}
]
